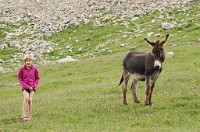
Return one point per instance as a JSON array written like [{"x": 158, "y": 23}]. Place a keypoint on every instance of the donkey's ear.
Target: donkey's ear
[
  {"x": 164, "y": 40},
  {"x": 149, "y": 42}
]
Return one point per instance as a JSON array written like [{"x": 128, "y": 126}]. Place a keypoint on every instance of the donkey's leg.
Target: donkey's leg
[
  {"x": 126, "y": 77},
  {"x": 148, "y": 91},
  {"x": 152, "y": 87},
  {"x": 133, "y": 90}
]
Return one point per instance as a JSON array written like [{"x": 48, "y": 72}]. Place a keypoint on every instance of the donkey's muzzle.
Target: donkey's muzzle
[{"x": 157, "y": 65}]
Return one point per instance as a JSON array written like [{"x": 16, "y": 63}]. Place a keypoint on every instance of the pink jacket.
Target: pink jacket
[{"x": 28, "y": 78}]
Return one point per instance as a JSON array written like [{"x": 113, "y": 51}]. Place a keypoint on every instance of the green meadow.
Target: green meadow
[{"x": 85, "y": 96}]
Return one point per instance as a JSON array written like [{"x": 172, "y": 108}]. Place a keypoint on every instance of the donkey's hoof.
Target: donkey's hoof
[
  {"x": 124, "y": 103},
  {"x": 148, "y": 105},
  {"x": 136, "y": 101}
]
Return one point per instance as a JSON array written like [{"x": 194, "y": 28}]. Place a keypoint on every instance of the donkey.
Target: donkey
[{"x": 143, "y": 67}]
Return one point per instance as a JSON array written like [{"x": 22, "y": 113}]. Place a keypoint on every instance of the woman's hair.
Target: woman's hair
[{"x": 28, "y": 57}]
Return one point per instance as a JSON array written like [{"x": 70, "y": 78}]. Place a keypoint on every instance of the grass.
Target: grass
[
  {"x": 80, "y": 98},
  {"x": 85, "y": 96}
]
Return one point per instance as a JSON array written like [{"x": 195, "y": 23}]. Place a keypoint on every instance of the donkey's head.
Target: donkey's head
[{"x": 158, "y": 51}]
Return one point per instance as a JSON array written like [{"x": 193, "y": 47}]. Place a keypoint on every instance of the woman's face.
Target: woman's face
[{"x": 28, "y": 63}]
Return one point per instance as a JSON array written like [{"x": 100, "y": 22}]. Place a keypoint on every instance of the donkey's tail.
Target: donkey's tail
[{"x": 122, "y": 79}]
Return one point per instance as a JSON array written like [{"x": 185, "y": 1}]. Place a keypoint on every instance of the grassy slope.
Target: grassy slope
[
  {"x": 85, "y": 96},
  {"x": 9, "y": 52}
]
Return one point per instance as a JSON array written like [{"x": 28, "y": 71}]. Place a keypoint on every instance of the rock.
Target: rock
[
  {"x": 67, "y": 59},
  {"x": 2, "y": 26},
  {"x": 158, "y": 35},
  {"x": 149, "y": 34},
  {"x": 15, "y": 84},
  {"x": 153, "y": 21},
  {"x": 198, "y": 41},
  {"x": 46, "y": 63},
  {"x": 2, "y": 61},
  {"x": 2, "y": 70},
  {"x": 110, "y": 51},
  {"x": 122, "y": 45},
  {"x": 168, "y": 25},
  {"x": 126, "y": 24},
  {"x": 98, "y": 47},
  {"x": 3, "y": 46},
  {"x": 173, "y": 45},
  {"x": 124, "y": 36},
  {"x": 161, "y": 17},
  {"x": 133, "y": 47},
  {"x": 169, "y": 54},
  {"x": 135, "y": 19},
  {"x": 15, "y": 44},
  {"x": 80, "y": 49},
  {"x": 9, "y": 36}
]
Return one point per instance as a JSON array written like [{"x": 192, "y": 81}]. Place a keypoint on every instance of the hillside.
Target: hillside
[
  {"x": 84, "y": 95},
  {"x": 28, "y": 27}
]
